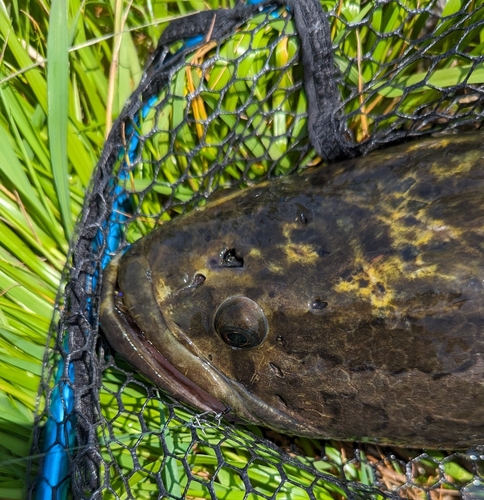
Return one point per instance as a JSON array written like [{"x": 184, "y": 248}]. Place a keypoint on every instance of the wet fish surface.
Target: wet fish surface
[{"x": 345, "y": 302}]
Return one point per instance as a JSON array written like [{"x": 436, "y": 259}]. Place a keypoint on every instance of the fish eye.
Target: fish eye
[{"x": 241, "y": 323}]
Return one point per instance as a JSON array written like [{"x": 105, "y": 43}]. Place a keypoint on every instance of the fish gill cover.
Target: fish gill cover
[{"x": 231, "y": 97}]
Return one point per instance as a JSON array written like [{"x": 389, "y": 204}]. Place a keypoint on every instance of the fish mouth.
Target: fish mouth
[{"x": 127, "y": 338}]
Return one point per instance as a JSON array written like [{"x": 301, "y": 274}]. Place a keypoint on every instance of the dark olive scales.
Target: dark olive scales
[{"x": 346, "y": 302}]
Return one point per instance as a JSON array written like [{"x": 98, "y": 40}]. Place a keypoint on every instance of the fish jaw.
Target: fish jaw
[{"x": 123, "y": 333}]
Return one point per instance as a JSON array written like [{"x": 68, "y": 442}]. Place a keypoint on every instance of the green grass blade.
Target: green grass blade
[
  {"x": 58, "y": 99},
  {"x": 12, "y": 170},
  {"x": 441, "y": 78},
  {"x": 33, "y": 76}
]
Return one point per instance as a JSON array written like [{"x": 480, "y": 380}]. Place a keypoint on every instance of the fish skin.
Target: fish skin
[{"x": 370, "y": 275}]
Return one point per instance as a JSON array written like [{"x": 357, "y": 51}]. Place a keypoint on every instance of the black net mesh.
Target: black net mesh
[
  {"x": 229, "y": 98},
  {"x": 429, "y": 85}
]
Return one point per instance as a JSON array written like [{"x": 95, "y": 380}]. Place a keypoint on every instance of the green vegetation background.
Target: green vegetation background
[{"x": 66, "y": 70}]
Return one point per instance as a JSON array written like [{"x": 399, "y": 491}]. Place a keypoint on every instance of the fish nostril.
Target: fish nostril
[
  {"x": 277, "y": 371},
  {"x": 281, "y": 400},
  {"x": 282, "y": 341},
  {"x": 199, "y": 279},
  {"x": 229, "y": 258}
]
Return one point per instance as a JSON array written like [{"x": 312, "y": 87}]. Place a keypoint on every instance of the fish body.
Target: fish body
[{"x": 345, "y": 302}]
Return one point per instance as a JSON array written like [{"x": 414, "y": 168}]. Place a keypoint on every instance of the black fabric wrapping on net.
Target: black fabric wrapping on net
[{"x": 231, "y": 97}]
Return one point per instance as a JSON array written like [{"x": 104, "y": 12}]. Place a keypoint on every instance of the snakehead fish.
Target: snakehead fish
[{"x": 344, "y": 302}]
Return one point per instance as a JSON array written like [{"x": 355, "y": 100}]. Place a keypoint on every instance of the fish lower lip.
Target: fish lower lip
[
  {"x": 192, "y": 393},
  {"x": 198, "y": 395}
]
